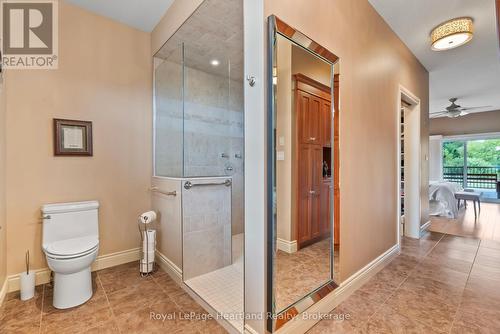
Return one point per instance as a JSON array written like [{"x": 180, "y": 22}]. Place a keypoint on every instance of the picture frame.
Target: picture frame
[{"x": 72, "y": 137}]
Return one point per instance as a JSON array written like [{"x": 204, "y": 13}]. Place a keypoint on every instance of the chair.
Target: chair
[{"x": 468, "y": 195}]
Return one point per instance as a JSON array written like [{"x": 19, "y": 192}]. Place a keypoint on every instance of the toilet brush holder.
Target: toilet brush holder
[
  {"x": 27, "y": 285},
  {"x": 27, "y": 279}
]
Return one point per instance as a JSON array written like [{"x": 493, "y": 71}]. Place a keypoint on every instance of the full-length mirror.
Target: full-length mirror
[{"x": 304, "y": 164}]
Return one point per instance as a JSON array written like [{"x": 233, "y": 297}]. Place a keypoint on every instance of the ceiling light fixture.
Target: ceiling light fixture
[
  {"x": 214, "y": 62},
  {"x": 451, "y": 34}
]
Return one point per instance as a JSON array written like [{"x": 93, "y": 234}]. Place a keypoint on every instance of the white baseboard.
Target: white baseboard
[
  {"x": 425, "y": 227},
  {"x": 346, "y": 288},
  {"x": 250, "y": 330},
  {"x": 3, "y": 290},
  {"x": 286, "y": 246},
  {"x": 42, "y": 276},
  {"x": 169, "y": 267}
]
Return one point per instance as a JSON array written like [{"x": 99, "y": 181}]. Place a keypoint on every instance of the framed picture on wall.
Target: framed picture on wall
[{"x": 72, "y": 137}]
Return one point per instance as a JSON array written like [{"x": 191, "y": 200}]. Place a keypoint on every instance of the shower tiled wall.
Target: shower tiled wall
[
  {"x": 211, "y": 125},
  {"x": 206, "y": 214}
]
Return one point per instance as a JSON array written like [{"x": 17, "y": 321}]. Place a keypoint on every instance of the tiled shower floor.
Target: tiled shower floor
[{"x": 223, "y": 288}]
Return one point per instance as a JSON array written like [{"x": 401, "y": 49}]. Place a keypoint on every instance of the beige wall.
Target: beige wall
[
  {"x": 483, "y": 122},
  {"x": 3, "y": 225},
  {"x": 374, "y": 63},
  {"x": 284, "y": 128},
  {"x": 105, "y": 76},
  {"x": 310, "y": 66}
]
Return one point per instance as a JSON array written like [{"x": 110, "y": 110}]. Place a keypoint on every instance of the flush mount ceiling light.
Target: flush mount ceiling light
[
  {"x": 214, "y": 62},
  {"x": 451, "y": 34}
]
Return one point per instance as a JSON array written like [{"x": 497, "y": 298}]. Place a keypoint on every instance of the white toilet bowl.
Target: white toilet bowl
[
  {"x": 71, "y": 243},
  {"x": 72, "y": 278}
]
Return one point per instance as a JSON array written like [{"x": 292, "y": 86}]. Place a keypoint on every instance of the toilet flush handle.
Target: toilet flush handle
[{"x": 46, "y": 217}]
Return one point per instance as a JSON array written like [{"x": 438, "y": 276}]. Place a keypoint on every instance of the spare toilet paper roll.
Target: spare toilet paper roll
[
  {"x": 148, "y": 257},
  {"x": 148, "y": 217},
  {"x": 146, "y": 267},
  {"x": 150, "y": 237}
]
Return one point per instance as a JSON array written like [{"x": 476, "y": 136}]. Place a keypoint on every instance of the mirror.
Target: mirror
[{"x": 303, "y": 161}]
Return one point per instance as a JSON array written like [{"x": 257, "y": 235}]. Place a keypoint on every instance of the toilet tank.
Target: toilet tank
[{"x": 69, "y": 220}]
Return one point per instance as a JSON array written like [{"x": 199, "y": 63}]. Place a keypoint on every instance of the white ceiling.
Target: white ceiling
[
  {"x": 140, "y": 14},
  {"x": 470, "y": 72}
]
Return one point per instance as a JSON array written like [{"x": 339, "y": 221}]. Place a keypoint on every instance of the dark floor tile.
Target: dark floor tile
[
  {"x": 339, "y": 320},
  {"x": 17, "y": 316},
  {"x": 449, "y": 293},
  {"x": 125, "y": 276},
  {"x": 487, "y": 321},
  {"x": 389, "y": 321},
  {"x": 138, "y": 296},
  {"x": 425, "y": 309}
]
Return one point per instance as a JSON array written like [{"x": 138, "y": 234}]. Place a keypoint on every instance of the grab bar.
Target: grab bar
[
  {"x": 168, "y": 193},
  {"x": 188, "y": 184}
]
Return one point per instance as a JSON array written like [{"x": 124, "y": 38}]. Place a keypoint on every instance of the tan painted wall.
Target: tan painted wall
[
  {"x": 176, "y": 14},
  {"x": 483, "y": 122},
  {"x": 374, "y": 63},
  {"x": 3, "y": 225},
  {"x": 284, "y": 128},
  {"x": 104, "y": 75},
  {"x": 310, "y": 66}
]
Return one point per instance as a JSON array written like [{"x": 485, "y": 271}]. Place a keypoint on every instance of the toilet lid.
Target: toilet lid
[{"x": 72, "y": 246}]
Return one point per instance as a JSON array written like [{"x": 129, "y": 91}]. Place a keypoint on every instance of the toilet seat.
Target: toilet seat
[{"x": 72, "y": 248}]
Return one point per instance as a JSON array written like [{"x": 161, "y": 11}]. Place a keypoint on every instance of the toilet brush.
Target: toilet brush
[{"x": 27, "y": 280}]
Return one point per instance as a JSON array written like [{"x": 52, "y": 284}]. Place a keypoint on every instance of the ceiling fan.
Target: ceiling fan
[{"x": 455, "y": 110}]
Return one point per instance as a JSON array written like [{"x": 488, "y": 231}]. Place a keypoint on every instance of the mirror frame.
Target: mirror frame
[{"x": 276, "y": 318}]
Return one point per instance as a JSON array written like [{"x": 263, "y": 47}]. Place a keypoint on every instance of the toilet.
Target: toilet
[{"x": 70, "y": 243}]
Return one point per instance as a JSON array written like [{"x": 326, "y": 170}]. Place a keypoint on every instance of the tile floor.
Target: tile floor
[
  {"x": 222, "y": 289},
  {"x": 439, "y": 284},
  {"x": 122, "y": 303},
  {"x": 299, "y": 273}
]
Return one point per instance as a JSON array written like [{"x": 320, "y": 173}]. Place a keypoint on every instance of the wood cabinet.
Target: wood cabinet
[
  {"x": 326, "y": 124},
  {"x": 325, "y": 207},
  {"x": 309, "y": 118},
  {"x": 313, "y": 132},
  {"x": 310, "y": 159}
]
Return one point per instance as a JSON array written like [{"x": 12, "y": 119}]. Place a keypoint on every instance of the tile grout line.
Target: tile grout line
[
  {"x": 468, "y": 276},
  {"x": 41, "y": 310},
  {"x": 109, "y": 304},
  {"x": 409, "y": 274}
]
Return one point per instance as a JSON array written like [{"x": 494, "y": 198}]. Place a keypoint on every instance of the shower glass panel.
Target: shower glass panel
[
  {"x": 199, "y": 143},
  {"x": 169, "y": 111}
]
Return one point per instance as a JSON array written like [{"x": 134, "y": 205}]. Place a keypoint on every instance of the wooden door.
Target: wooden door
[
  {"x": 310, "y": 159},
  {"x": 325, "y": 208},
  {"x": 303, "y": 198},
  {"x": 309, "y": 118},
  {"x": 326, "y": 123},
  {"x": 315, "y": 168}
]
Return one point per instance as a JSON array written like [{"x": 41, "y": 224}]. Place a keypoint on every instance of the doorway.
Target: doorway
[{"x": 408, "y": 176}]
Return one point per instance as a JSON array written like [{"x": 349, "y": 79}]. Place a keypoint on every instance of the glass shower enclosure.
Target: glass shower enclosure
[{"x": 198, "y": 149}]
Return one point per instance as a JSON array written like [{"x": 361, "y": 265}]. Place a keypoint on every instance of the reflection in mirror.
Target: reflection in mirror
[{"x": 305, "y": 173}]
